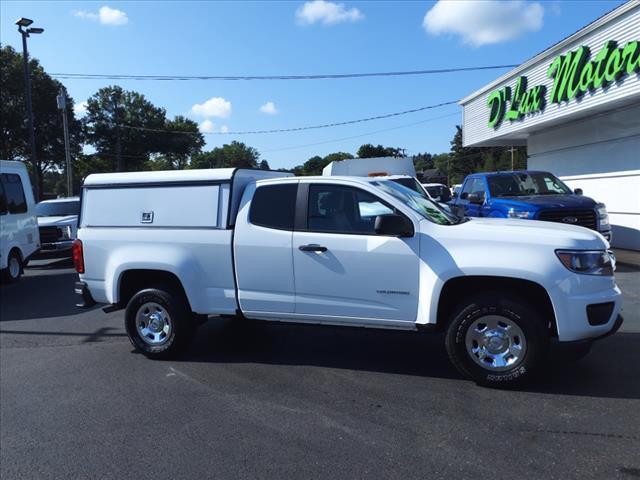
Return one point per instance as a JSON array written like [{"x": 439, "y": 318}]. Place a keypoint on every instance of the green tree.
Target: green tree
[
  {"x": 49, "y": 136},
  {"x": 370, "y": 151},
  {"x": 264, "y": 165},
  {"x": 463, "y": 160},
  {"x": 184, "y": 141},
  {"x": 235, "y": 154},
  {"x": 423, "y": 161},
  {"x": 122, "y": 124}
]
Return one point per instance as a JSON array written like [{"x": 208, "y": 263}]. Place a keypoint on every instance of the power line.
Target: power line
[
  {"x": 298, "y": 129},
  {"x": 360, "y": 135},
  {"x": 104, "y": 76}
]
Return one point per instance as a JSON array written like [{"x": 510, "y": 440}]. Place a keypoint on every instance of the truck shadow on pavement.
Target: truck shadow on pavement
[
  {"x": 611, "y": 370},
  {"x": 40, "y": 295}
]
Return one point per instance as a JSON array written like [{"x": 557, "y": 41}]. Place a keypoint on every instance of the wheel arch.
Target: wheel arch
[
  {"x": 456, "y": 288},
  {"x": 133, "y": 280}
]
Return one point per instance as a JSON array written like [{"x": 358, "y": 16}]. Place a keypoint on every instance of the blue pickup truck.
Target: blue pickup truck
[{"x": 529, "y": 195}]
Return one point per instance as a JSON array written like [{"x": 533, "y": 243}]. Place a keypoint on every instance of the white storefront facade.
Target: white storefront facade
[{"x": 576, "y": 106}]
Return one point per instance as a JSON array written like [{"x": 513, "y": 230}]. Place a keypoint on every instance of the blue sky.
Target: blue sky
[{"x": 321, "y": 37}]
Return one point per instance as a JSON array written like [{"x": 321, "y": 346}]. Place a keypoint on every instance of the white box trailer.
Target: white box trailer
[{"x": 371, "y": 167}]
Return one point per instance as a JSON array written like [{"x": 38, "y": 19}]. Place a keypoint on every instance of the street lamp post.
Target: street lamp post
[
  {"x": 62, "y": 105},
  {"x": 23, "y": 23}
]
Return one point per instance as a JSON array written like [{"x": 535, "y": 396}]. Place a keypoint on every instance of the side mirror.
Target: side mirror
[
  {"x": 394, "y": 225},
  {"x": 578, "y": 191},
  {"x": 464, "y": 195},
  {"x": 476, "y": 198},
  {"x": 445, "y": 196}
]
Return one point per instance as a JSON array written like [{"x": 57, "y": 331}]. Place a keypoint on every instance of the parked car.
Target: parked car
[
  {"x": 438, "y": 191},
  {"x": 19, "y": 238},
  {"x": 58, "y": 224},
  {"x": 455, "y": 189},
  {"x": 529, "y": 195},
  {"x": 173, "y": 247}
]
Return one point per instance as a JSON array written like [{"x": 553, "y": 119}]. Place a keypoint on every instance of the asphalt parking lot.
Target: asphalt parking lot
[{"x": 278, "y": 401}]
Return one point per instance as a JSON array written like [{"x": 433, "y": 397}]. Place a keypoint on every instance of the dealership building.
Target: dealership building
[{"x": 576, "y": 107}]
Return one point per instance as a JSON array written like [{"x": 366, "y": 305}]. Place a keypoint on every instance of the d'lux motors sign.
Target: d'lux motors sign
[{"x": 574, "y": 74}]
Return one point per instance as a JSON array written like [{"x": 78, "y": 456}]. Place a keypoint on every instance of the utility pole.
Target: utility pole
[
  {"x": 119, "y": 166},
  {"x": 25, "y": 22},
  {"x": 62, "y": 105},
  {"x": 511, "y": 150}
]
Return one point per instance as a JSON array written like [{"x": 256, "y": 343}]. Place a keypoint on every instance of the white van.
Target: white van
[{"x": 19, "y": 237}]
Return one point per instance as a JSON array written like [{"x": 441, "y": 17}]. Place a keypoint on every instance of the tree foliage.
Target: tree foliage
[
  {"x": 370, "y": 151},
  {"x": 125, "y": 119},
  {"x": 48, "y": 127},
  {"x": 235, "y": 154}
]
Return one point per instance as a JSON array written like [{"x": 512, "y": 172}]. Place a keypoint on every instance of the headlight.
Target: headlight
[
  {"x": 65, "y": 232},
  {"x": 513, "y": 213},
  {"x": 588, "y": 262},
  {"x": 603, "y": 215}
]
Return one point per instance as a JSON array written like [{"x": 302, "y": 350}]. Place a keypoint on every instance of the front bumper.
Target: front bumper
[{"x": 616, "y": 326}]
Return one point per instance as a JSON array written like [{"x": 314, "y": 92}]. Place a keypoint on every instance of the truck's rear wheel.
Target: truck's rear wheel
[
  {"x": 159, "y": 322},
  {"x": 496, "y": 341}
]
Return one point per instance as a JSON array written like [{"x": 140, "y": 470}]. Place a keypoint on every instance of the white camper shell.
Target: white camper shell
[{"x": 150, "y": 198}]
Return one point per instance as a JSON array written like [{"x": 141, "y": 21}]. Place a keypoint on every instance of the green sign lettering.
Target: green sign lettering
[{"x": 573, "y": 74}]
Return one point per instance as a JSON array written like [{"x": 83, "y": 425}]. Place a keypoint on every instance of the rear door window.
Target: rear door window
[
  {"x": 274, "y": 206},
  {"x": 14, "y": 193}
]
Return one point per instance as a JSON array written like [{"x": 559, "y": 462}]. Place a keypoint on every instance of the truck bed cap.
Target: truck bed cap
[{"x": 212, "y": 174}]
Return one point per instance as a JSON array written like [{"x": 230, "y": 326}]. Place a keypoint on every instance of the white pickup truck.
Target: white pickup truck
[{"x": 175, "y": 247}]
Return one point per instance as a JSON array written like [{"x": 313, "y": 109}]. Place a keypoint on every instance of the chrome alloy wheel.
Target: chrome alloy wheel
[
  {"x": 153, "y": 323},
  {"x": 14, "y": 266},
  {"x": 496, "y": 343}
]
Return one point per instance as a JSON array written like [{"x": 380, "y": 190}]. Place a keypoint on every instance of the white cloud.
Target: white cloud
[
  {"x": 106, "y": 16},
  {"x": 207, "y": 126},
  {"x": 327, "y": 13},
  {"x": 269, "y": 108},
  {"x": 484, "y": 22},
  {"x": 224, "y": 129},
  {"x": 80, "y": 108},
  {"x": 214, "y": 107}
]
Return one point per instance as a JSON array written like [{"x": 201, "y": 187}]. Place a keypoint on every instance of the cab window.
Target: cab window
[
  {"x": 339, "y": 209},
  {"x": 273, "y": 206}
]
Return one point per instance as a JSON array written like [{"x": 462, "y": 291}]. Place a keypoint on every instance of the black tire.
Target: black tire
[
  {"x": 502, "y": 311},
  {"x": 172, "y": 305},
  {"x": 13, "y": 271}
]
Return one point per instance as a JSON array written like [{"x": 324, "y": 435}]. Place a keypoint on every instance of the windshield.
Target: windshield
[
  {"x": 419, "y": 203},
  {"x": 521, "y": 184},
  {"x": 435, "y": 190},
  {"x": 410, "y": 183},
  {"x": 58, "y": 209}
]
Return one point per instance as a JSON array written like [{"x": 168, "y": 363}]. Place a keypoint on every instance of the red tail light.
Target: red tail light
[{"x": 78, "y": 256}]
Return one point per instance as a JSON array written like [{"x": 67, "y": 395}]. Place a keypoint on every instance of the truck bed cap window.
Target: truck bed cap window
[{"x": 273, "y": 206}]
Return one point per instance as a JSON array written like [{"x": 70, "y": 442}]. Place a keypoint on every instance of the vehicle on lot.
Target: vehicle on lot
[
  {"x": 58, "y": 224},
  {"x": 455, "y": 189},
  {"x": 529, "y": 195},
  {"x": 174, "y": 247},
  {"x": 398, "y": 169},
  {"x": 438, "y": 191},
  {"x": 19, "y": 238}
]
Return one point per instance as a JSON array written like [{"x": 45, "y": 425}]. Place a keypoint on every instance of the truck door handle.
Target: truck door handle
[{"x": 312, "y": 248}]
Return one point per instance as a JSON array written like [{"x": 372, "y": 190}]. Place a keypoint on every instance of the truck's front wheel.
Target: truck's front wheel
[
  {"x": 496, "y": 341},
  {"x": 159, "y": 323}
]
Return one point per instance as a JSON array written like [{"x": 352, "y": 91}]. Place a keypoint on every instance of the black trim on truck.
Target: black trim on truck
[{"x": 82, "y": 290}]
